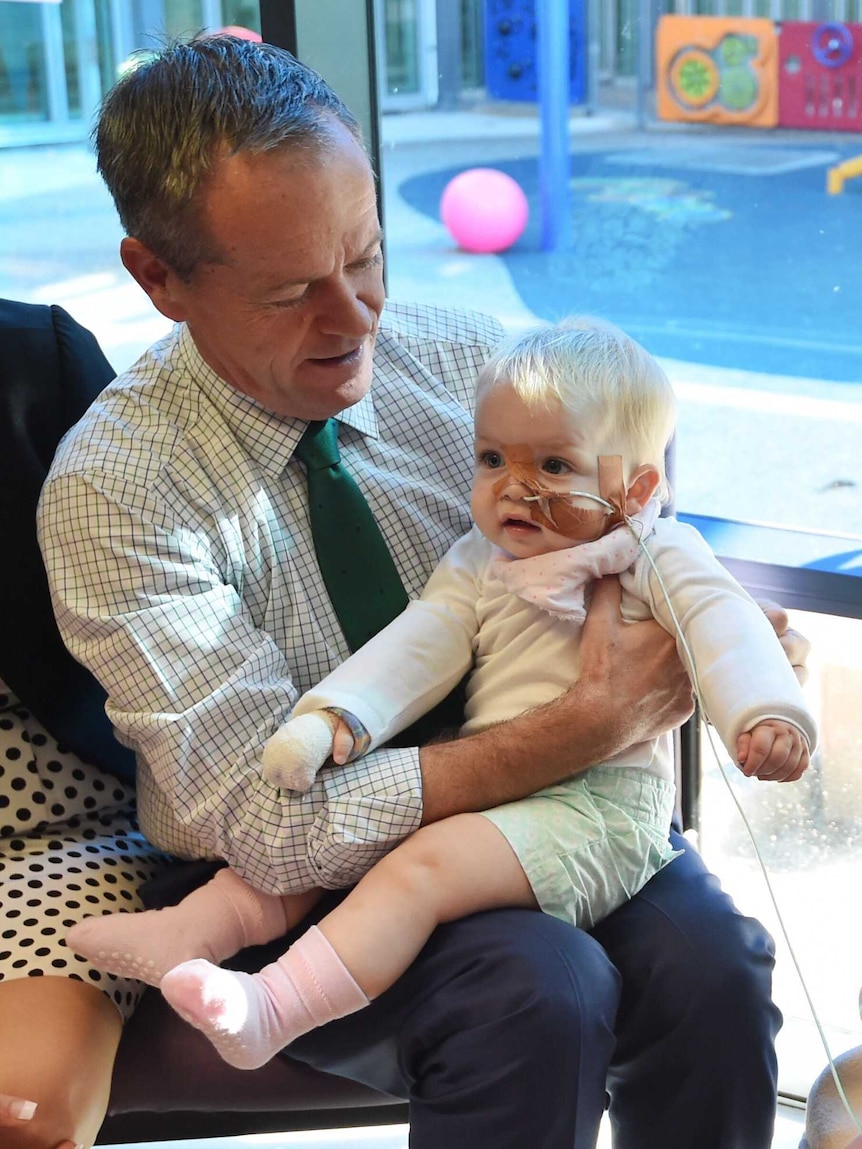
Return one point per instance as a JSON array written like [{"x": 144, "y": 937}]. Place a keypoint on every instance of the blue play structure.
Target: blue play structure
[
  {"x": 538, "y": 50},
  {"x": 512, "y": 54}
]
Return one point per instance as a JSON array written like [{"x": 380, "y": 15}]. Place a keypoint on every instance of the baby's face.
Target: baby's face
[{"x": 562, "y": 451}]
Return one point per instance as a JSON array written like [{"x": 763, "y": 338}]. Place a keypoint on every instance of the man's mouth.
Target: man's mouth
[{"x": 348, "y": 359}]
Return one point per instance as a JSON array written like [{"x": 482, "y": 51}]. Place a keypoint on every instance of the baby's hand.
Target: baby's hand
[
  {"x": 773, "y": 751},
  {"x": 297, "y": 750},
  {"x": 342, "y": 739}
]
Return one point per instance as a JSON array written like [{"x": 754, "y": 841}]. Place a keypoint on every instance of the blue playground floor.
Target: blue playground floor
[{"x": 726, "y": 253}]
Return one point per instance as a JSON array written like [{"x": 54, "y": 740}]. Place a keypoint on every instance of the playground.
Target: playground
[
  {"x": 725, "y": 231},
  {"x": 708, "y": 249}
]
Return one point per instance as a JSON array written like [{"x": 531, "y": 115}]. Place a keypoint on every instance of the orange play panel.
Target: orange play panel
[{"x": 716, "y": 69}]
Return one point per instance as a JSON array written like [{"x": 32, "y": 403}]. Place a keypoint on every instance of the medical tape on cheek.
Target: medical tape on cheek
[
  {"x": 521, "y": 469},
  {"x": 583, "y": 524},
  {"x": 555, "y": 511}
]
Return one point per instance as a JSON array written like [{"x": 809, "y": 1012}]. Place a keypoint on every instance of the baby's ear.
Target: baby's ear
[{"x": 641, "y": 488}]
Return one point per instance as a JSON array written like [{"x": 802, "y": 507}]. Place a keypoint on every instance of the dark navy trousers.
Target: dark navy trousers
[{"x": 512, "y": 1029}]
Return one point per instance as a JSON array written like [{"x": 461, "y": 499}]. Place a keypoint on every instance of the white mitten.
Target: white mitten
[{"x": 297, "y": 750}]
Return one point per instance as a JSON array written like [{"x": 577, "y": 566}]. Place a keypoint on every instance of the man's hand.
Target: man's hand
[
  {"x": 631, "y": 687},
  {"x": 634, "y": 663},
  {"x": 773, "y": 751},
  {"x": 796, "y": 645}
]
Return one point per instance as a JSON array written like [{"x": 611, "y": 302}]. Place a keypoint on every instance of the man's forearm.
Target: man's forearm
[
  {"x": 518, "y": 757},
  {"x": 632, "y": 687}
]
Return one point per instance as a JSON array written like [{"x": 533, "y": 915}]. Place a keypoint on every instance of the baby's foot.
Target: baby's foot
[
  {"x": 142, "y": 946},
  {"x": 234, "y": 1010},
  {"x": 213, "y": 922},
  {"x": 249, "y": 1018}
]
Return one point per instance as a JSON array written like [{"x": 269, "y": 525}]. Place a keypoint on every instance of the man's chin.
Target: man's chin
[
  {"x": 347, "y": 395},
  {"x": 355, "y": 388}
]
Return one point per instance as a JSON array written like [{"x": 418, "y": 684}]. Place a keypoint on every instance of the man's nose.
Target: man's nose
[{"x": 346, "y": 313}]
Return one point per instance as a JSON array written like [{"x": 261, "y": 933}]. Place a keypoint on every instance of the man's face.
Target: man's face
[{"x": 290, "y": 316}]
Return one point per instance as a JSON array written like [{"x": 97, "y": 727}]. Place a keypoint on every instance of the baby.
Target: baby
[{"x": 572, "y": 422}]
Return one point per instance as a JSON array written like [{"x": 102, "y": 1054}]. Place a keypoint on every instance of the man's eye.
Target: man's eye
[
  {"x": 556, "y": 467},
  {"x": 369, "y": 262},
  {"x": 491, "y": 459}
]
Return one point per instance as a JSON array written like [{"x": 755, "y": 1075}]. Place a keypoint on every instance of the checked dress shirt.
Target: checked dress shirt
[{"x": 175, "y": 533}]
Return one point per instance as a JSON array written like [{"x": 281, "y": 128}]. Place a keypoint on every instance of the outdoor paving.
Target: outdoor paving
[{"x": 767, "y": 448}]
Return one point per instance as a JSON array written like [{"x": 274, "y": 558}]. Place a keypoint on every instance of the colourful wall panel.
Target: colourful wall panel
[
  {"x": 820, "y": 76},
  {"x": 715, "y": 69}
]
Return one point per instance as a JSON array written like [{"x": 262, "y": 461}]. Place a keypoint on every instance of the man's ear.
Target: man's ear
[
  {"x": 642, "y": 485},
  {"x": 154, "y": 276}
]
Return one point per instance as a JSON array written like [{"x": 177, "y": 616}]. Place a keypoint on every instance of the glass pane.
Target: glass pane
[
  {"x": 70, "y": 55},
  {"x": 23, "y": 93},
  {"x": 183, "y": 17},
  {"x": 472, "y": 52},
  {"x": 242, "y": 14},
  {"x": 402, "y": 47},
  {"x": 105, "y": 49},
  {"x": 735, "y": 227},
  {"x": 59, "y": 234},
  {"x": 716, "y": 245},
  {"x": 809, "y": 836}
]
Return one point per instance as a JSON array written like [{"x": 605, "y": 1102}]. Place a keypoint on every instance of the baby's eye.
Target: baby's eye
[
  {"x": 556, "y": 467},
  {"x": 493, "y": 460}
]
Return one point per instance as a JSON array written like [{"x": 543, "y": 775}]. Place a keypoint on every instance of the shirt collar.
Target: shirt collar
[{"x": 267, "y": 438}]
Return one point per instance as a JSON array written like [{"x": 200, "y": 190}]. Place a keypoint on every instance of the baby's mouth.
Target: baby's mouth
[{"x": 521, "y": 525}]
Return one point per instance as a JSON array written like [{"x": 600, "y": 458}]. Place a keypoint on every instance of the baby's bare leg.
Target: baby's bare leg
[{"x": 444, "y": 871}]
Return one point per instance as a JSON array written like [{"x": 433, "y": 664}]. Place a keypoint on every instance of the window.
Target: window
[
  {"x": 718, "y": 246},
  {"x": 808, "y": 835}
]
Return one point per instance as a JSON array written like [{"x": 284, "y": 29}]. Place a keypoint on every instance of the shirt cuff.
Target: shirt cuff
[{"x": 370, "y": 806}]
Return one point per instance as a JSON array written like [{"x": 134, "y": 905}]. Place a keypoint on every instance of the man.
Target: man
[{"x": 176, "y": 534}]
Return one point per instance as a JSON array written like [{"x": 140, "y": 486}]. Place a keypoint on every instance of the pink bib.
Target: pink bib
[{"x": 555, "y": 582}]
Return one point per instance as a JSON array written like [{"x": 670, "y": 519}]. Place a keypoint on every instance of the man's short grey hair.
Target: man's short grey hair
[{"x": 170, "y": 118}]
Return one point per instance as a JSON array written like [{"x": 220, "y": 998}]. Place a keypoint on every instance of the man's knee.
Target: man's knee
[
  {"x": 507, "y": 992},
  {"x": 684, "y": 949},
  {"x": 523, "y": 971},
  {"x": 526, "y": 1013}
]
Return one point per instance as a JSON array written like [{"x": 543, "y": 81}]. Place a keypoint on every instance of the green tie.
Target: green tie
[{"x": 363, "y": 584}]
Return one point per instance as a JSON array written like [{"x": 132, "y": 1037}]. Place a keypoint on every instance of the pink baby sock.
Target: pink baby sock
[
  {"x": 250, "y": 1017},
  {"x": 214, "y": 922}
]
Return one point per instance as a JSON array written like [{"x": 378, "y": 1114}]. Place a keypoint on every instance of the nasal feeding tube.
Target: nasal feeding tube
[{"x": 554, "y": 509}]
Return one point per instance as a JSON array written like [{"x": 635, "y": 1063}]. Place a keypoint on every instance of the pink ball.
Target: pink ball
[
  {"x": 240, "y": 32},
  {"x": 484, "y": 209}
]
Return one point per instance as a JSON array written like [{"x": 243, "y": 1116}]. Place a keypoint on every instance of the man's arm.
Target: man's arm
[{"x": 632, "y": 687}]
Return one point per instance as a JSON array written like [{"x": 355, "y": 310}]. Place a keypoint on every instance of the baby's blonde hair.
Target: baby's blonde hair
[{"x": 596, "y": 371}]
